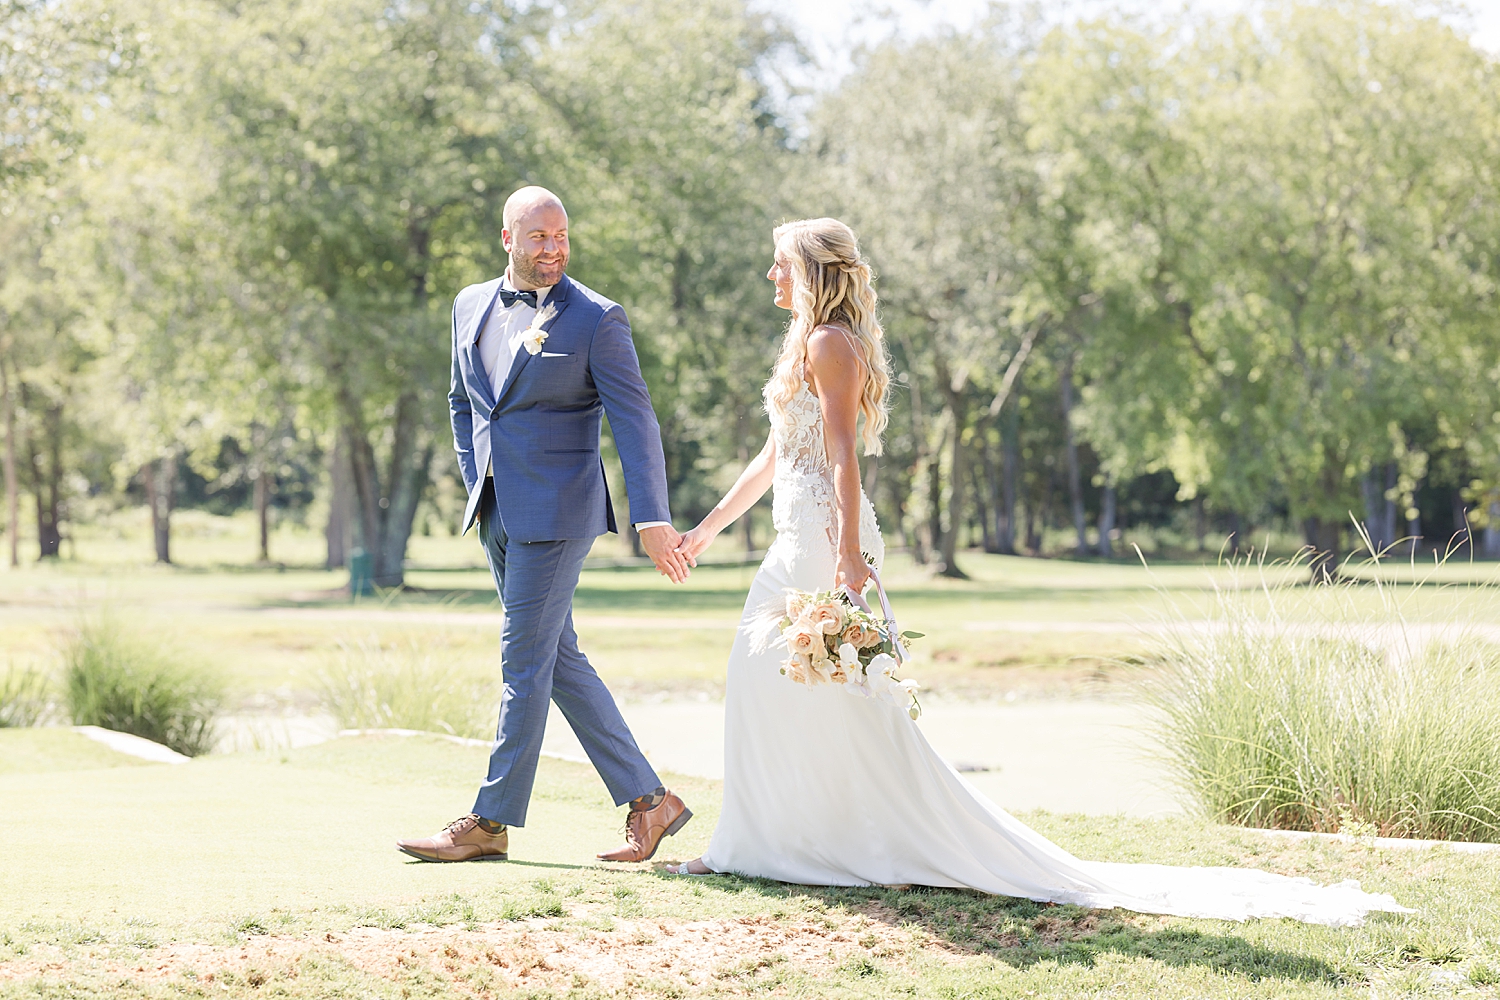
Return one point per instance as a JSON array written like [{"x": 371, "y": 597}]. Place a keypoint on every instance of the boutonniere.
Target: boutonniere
[{"x": 535, "y": 336}]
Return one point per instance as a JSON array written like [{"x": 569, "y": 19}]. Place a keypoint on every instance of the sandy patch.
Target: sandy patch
[{"x": 537, "y": 953}]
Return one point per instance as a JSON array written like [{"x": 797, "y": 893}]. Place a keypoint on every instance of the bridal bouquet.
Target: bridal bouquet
[{"x": 831, "y": 640}]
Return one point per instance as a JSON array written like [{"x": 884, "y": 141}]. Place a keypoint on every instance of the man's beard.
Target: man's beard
[{"x": 525, "y": 269}]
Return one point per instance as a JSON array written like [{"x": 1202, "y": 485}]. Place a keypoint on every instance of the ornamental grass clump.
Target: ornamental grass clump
[
  {"x": 24, "y": 697},
  {"x": 1325, "y": 709},
  {"x": 129, "y": 682},
  {"x": 369, "y": 684}
]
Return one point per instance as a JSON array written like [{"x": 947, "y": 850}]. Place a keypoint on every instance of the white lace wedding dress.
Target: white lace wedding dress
[{"x": 825, "y": 788}]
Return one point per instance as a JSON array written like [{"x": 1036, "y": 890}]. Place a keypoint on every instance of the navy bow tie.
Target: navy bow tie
[{"x": 510, "y": 298}]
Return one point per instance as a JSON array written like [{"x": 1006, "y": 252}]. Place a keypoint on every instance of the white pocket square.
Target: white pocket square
[{"x": 549, "y": 354}]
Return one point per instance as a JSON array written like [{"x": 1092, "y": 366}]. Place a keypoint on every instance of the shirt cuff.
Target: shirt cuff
[{"x": 650, "y": 524}]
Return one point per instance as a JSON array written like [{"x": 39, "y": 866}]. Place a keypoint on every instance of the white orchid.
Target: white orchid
[
  {"x": 849, "y": 656},
  {"x": 881, "y": 673}
]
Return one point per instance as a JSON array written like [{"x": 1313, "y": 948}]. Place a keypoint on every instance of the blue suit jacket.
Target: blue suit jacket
[{"x": 541, "y": 435}]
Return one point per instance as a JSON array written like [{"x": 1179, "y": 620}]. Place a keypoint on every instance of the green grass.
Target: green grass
[
  {"x": 1354, "y": 722},
  {"x": 373, "y": 684},
  {"x": 44, "y": 751},
  {"x": 271, "y": 631},
  {"x": 126, "y": 680},
  {"x": 274, "y": 875},
  {"x": 24, "y": 696}
]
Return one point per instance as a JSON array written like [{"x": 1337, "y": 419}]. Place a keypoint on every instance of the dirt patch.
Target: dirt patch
[{"x": 610, "y": 954}]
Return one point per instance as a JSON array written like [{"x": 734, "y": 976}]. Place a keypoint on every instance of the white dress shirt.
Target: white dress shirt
[{"x": 501, "y": 339}]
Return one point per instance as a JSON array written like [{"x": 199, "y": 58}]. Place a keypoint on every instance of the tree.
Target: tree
[
  {"x": 1288, "y": 244},
  {"x": 364, "y": 152},
  {"x": 53, "y": 58},
  {"x": 925, "y": 152}
]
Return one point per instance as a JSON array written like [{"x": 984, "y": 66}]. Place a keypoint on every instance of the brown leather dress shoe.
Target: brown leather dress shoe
[
  {"x": 462, "y": 840},
  {"x": 645, "y": 828}
]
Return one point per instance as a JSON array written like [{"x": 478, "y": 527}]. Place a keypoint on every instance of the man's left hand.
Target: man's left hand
[{"x": 660, "y": 542}]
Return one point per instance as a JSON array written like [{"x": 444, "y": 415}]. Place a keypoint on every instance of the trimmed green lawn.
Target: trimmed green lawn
[
  {"x": 1028, "y": 625},
  {"x": 274, "y": 875},
  {"x": 39, "y": 752}
]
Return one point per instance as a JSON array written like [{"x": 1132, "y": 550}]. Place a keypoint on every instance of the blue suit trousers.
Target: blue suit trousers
[{"x": 540, "y": 662}]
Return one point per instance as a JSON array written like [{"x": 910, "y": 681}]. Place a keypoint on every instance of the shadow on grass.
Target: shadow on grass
[{"x": 1021, "y": 933}]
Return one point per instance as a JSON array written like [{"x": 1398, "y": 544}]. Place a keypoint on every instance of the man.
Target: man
[{"x": 537, "y": 359}]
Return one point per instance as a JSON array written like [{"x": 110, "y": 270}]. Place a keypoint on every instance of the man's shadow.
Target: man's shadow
[{"x": 1021, "y": 933}]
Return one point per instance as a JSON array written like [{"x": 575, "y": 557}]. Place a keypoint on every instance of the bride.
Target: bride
[{"x": 822, "y": 788}]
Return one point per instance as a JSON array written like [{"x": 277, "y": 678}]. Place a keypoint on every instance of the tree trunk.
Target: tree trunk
[
  {"x": 987, "y": 496},
  {"x": 262, "y": 494},
  {"x": 1369, "y": 489},
  {"x": 1200, "y": 522},
  {"x": 1378, "y": 487},
  {"x": 1033, "y": 533},
  {"x": 340, "y": 490},
  {"x": 1107, "y": 521},
  {"x": 1010, "y": 468},
  {"x": 12, "y": 487},
  {"x": 1075, "y": 479},
  {"x": 160, "y": 476},
  {"x": 921, "y": 475},
  {"x": 1388, "y": 513},
  {"x": 930, "y": 538},
  {"x": 46, "y": 479},
  {"x": 1323, "y": 537},
  {"x": 957, "y": 419},
  {"x": 385, "y": 517},
  {"x": 1492, "y": 529},
  {"x": 1414, "y": 524}
]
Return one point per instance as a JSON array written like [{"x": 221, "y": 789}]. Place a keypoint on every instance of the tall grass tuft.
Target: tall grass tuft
[
  {"x": 122, "y": 680},
  {"x": 369, "y": 684},
  {"x": 1324, "y": 709},
  {"x": 24, "y": 697}
]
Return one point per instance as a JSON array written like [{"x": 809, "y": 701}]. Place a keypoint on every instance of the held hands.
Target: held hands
[
  {"x": 660, "y": 542},
  {"x": 853, "y": 572},
  {"x": 694, "y": 543}
]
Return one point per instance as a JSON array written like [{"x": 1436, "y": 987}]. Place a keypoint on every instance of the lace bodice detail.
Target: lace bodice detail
[
  {"x": 802, "y": 501},
  {"x": 799, "y": 437}
]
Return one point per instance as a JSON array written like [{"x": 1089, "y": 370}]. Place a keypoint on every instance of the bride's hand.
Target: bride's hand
[
  {"x": 694, "y": 542},
  {"x": 853, "y": 572}
]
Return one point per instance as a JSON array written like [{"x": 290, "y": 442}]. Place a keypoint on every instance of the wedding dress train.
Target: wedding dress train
[{"x": 825, "y": 788}]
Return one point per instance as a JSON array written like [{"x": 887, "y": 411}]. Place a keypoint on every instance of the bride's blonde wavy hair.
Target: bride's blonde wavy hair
[{"x": 831, "y": 285}]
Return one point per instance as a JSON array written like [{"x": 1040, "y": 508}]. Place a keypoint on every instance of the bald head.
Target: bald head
[
  {"x": 525, "y": 200},
  {"x": 535, "y": 234}
]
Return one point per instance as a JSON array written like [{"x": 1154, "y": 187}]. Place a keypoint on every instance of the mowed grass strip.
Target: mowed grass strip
[
  {"x": 45, "y": 751},
  {"x": 233, "y": 834},
  {"x": 274, "y": 874}
]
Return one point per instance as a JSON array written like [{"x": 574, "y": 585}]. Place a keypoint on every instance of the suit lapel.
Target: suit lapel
[
  {"x": 479, "y": 378},
  {"x": 558, "y": 298}
]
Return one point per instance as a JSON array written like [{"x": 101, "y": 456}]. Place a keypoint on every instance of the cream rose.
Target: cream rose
[
  {"x": 861, "y": 636},
  {"x": 828, "y": 617},
  {"x": 803, "y": 638}
]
